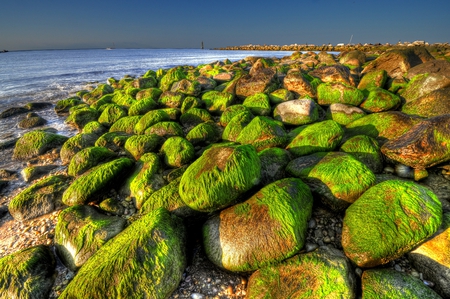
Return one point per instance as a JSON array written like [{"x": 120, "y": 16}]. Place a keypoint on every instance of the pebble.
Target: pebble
[{"x": 197, "y": 296}]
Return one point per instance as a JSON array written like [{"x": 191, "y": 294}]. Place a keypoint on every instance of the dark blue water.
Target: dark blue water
[{"x": 52, "y": 75}]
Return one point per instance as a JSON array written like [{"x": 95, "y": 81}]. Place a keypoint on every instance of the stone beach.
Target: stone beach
[{"x": 315, "y": 175}]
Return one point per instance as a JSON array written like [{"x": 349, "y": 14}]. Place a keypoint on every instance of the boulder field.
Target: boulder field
[{"x": 237, "y": 156}]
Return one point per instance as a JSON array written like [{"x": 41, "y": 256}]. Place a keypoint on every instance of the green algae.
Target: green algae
[
  {"x": 195, "y": 116},
  {"x": 94, "y": 127},
  {"x": 219, "y": 176},
  {"x": 146, "y": 260},
  {"x": 27, "y": 274},
  {"x": 80, "y": 117},
  {"x": 277, "y": 216},
  {"x": 150, "y": 93},
  {"x": 125, "y": 124},
  {"x": 76, "y": 143},
  {"x": 114, "y": 141},
  {"x": 204, "y": 133},
  {"x": 317, "y": 137},
  {"x": 149, "y": 119},
  {"x": 263, "y": 132},
  {"x": 231, "y": 112},
  {"x": 111, "y": 114},
  {"x": 258, "y": 104},
  {"x": 216, "y": 102},
  {"x": 141, "y": 107},
  {"x": 280, "y": 95},
  {"x": 344, "y": 114},
  {"x": 173, "y": 75},
  {"x": 177, "y": 151},
  {"x": 87, "y": 158},
  {"x": 336, "y": 92},
  {"x": 388, "y": 220},
  {"x": 191, "y": 102},
  {"x": 236, "y": 125},
  {"x": 169, "y": 99},
  {"x": 35, "y": 143},
  {"x": 373, "y": 79},
  {"x": 166, "y": 129},
  {"x": 88, "y": 187},
  {"x": 63, "y": 106},
  {"x": 379, "y": 100},
  {"x": 138, "y": 145},
  {"x": 366, "y": 150},
  {"x": 81, "y": 231}
]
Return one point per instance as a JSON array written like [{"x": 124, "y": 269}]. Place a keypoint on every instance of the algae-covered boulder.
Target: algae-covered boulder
[
  {"x": 388, "y": 283},
  {"x": 432, "y": 104},
  {"x": 236, "y": 125},
  {"x": 216, "y": 101},
  {"x": 146, "y": 179},
  {"x": 114, "y": 141},
  {"x": 268, "y": 227},
  {"x": 373, "y": 79},
  {"x": 32, "y": 120},
  {"x": 204, "y": 133},
  {"x": 125, "y": 124},
  {"x": 366, "y": 150},
  {"x": 195, "y": 116},
  {"x": 94, "y": 127},
  {"x": 281, "y": 95},
  {"x": 138, "y": 145},
  {"x": 191, "y": 102},
  {"x": 273, "y": 163},
  {"x": 88, "y": 158},
  {"x": 382, "y": 126},
  {"x": 334, "y": 73},
  {"x": 354, "y": 58},
  {"x": 27, "y": 274},
  {"x": 318, "y": 137},
  {"x": 297, "y": 83},
  {"x": 141, "y": 107},
  {"x": 388, "y": 220},
  {"x": 35, "y": 143},
  {"x": 423, "y": 84},
  {"x": 297, "y": 112},
  {"x": 432, "y": 258},
  {"x": 146, "y": 260},
  {"x": 263, "y": 80},
  {"x": 338, "y": 178},
  {"x": 111, "y": 114},
  {"x": 166, "y": 129},
  {"x": 149, "y": 119},
  {"x": 231, "y": 112},
  {"x": 81, "y": 231},
  {"x": 80, "y": 117},
  {"x": 75, "y": 144},
  {"x": 63, "y": 106},
  {"x": 89, "y": 186},
  {"x": 258, "y": 104},
  {"x": 187, "y": 87},
  {"x": 177, "y": 151},
  {"x": 379, "y": 100},
  {"x": 149, "y": 93},
  {"x": 219, "y": 176},
  {"x": 324, "y": 273},
  {"x": 344, "y": 114},
  {"x": 169, "y": 99},
  {"x": 336, "y": 92},
  {"x": 39, "y": 199},
  {"x": 169, "y": 198},
  {"x": 424, "y": 145},
  {"x": 173, "y": 75},
  {"x": 263, "y": 132},
  {"x": 31, "y": 173}
]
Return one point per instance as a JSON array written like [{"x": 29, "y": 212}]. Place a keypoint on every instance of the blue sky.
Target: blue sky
[{"x": 45, "y": 24}]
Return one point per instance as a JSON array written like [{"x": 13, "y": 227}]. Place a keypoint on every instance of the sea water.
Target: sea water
[{"x": 52, "y": 75}]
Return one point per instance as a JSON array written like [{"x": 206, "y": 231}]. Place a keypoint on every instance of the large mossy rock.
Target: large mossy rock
[
  {"x": 146, "y": 178},
  {"x": 379, "y": 100},
  {"x": 338, "y": 178},
  {"x": 366, "y": 150},
  {"x": 267, "y": 228},
  {"x": 263, "y": 80},
  {"x": 397, "y": 62},
  {"x": 89, "y": 186},
  {"x": 80, "y": 117},
  {"x": 344, "y": 114},
  {"x": 263, "y": 132},
  {"x": 204, "y": 133},
  {"x": 88, "y": 158},
  {"x": 177, "y": 152},
  {"x": 423, "y": 84},
  {"x": 281, "y": 95},
  {"x": 236, "y": 125},
  {"x": 166, "y": 129},
  {"x": 374, "y": 79},
  {"x": 318, "y": 137},
  {"x": 258, "y": 104},
  {"x": 382, "y": 126},
  {"x": 387, "y": 283},
  {"x": 169, "y": 99},
  {"x": 40, "y": 198},
  {"x": 435, "y": 103},
  {"x": 231, "y": 112},
  {"x": 297, "y": 83},
  {"x": 424, "y": 145},
  {"x": 336, "y": 92},
  {"x": 35, "y": 143},
  {"x": 388, "y": 220},
  {"x": 141, "y": 107},
  {"x": 219, "y": 176},
  {"x": 149, "y": 119},
  {"x": 75, "y": 144},
  {"x": 217, "y": 102},
  {"x": 63, "y": 106},
  {"x": 297, "y": 112},
  {"x": 27, "y": 274},
  {"x": 125, "y": 124},
  {"x": 138, "y": 145},
  {"x": 111, "y": 113},
  {"x": 81, "y": 231},
  {"x": 115, "y": 141},
  {"x": 146, "y": 260},
  {"x": 432, "y": 258},
  {"x": 273, "y": 163},
  {"x": 324, "y": 273},
  {"x": 173, "y": 75},
  {"x": 334, "y": 73}
]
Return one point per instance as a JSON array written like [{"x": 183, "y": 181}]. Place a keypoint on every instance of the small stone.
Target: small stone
[
  {"x": 398, "y": 268},
  {"x": 312, "y": 223},
  {"x": 428, "y": 283},
  {"x": 197, "y": 296},
  {"x": 327, "y": 239}
]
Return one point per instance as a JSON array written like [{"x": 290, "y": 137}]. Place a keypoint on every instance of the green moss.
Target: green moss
[
  {"x": 177, "y": 151},
  {"x": 280, "y": 96},
  {"x": 35, "y": 143},
  {"x": 146, "y": 260},
  {"x": 379, "y": 100},
  {"x": 149, "y": 119},
  {"x": 191, "y": 102},
  {"x": 88, "y": 158},
  {"x": 373, "y": 79},
  {"x": 231, "y": 112},
  {"x": 366, "y": 150},
  {"x": 138, "y": 145},
  {"x": 111, "y": 114},
  {"x": 258, "y": 104},
  {"x": 114, "y": 141},
  {"x": 204, "y": 133},
  {"x": 76, "y": 143},
  {"x": 80, "y": 117},
  {"x": 219, "y": 176},
  {"x": 106, "y": 99},
  {"x": 173, "y": 75},
  {"x": 126, "y": 124},
  {"x": 388, "y": 220},
  {"x": 166, "y": 129},
  {"x": 236, "y": 125},
  {"x": 171, "y": 99},
  {"x": 344, "y": 114},
  {"x": 263, "y": 132},
  {"x": 94, "y": 127},
  {"x": 145, "y": 82},
  {"x": 317, "y": 137},
  {"x": 141, "y": 107},
  {"x": 89, "y": 186},
  {"x": 216, "y": 102},
  {"x": 28, "y": 273},
  {"x": 150, "y": 93},
  {"x": 194, "y": 117},
  {"x": 63, "y": 106},
  {"x": 336, "y": 92}
]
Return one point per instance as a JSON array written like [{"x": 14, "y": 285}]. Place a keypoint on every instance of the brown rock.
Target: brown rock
[
  {"x": 334, "y": 73},
  {"x": 263, "y": 80},
  {"x": 297, "y": 83},
  {"x": 433, "y": 104},
  {"x": 441, "y": 67}
]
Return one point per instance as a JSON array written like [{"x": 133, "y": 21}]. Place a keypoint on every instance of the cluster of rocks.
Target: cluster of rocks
[{"x": 307, "y": 176}]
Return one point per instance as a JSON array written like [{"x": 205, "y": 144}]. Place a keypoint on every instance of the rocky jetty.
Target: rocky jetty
[{"x": 310, "y": 176}]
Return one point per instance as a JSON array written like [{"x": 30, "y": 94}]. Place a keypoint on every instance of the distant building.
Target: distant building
[{"x": 340, "y": 45}]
